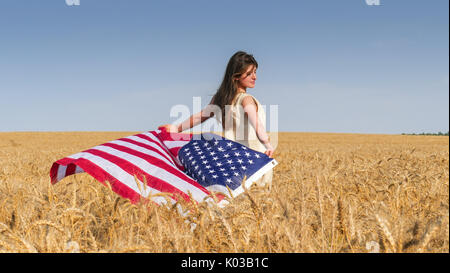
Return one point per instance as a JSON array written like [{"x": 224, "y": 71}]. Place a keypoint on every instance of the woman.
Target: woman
[{"x": 241, "y": 115}]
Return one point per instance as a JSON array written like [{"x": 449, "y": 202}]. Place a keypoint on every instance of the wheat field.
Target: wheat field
[{"x": 331, "y": 193}]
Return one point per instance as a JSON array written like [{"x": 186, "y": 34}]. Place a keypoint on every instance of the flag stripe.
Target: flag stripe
[
  {"x": 152, "y": 138},
  {"x": 124, "y": 159},
  {"x": 70, "y": 169},
  {"x": 175, "y": 144},
  {"x": 101, "y": 170},
  {"x": 61, "y": 172},
  {"x": 79, "y": 170},
  {"x": 103, "y": 176},
  {"x": 152, "y": 182},
  {"x": 146, "y": 143},
  {"x": 140, "y": 153},
  {"x": 154, "y": 135},
  {"x": 174, "y": 165},
  {"x": 152, "y": 153}
]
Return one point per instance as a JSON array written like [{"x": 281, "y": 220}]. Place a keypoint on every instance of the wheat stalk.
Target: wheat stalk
[{"x": 384, "y": 228}]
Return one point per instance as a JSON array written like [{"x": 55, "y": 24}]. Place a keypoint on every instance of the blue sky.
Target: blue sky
[{"x": 330, "y": 66}]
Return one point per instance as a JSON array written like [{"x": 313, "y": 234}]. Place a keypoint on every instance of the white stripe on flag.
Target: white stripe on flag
[
  {"x": 143, "y": 150},
  {"x": 163, "y": 144},
  {"x": 79, "y": 170},
  {"x": 61, "y": 172},
  {"x": 156, "y": 171},
  {"x": 154, "y": 145},
  {"x": 122, "y": 176},
  {"x": 175, "y": 143},
  {"x": 150, "y": 153}
]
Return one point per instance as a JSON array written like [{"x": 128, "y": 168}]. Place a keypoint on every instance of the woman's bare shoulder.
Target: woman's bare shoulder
[{"x": 249, "y": 100}]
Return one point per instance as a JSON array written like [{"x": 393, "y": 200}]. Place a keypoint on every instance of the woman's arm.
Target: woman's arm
[
  {"x": 192, "y": 121},
  {"x": 251, "y": 109}
]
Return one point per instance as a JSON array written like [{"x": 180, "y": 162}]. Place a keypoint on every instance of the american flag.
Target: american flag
[{"x": 156, "y": 163}]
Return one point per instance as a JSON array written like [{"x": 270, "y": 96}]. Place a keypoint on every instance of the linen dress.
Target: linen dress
[{"x": 238, "y": 128}]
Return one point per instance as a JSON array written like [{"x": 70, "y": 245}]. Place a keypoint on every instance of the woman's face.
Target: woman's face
[{"x": 248, "y": 78}]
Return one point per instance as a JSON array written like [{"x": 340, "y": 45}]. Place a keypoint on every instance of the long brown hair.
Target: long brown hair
[{"x": 237, "y": 65}]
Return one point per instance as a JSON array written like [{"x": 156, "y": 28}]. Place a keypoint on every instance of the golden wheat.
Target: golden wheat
[{"x": 330, "y": 193}]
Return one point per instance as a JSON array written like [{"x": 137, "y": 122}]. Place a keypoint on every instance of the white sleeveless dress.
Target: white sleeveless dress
[{"x": 238, "y": 128}]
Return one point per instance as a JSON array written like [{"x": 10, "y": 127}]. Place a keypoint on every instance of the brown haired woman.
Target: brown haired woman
[{"x": 241, "y": 115}]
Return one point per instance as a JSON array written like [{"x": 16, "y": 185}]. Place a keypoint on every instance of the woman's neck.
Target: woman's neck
[{"x": 241, "y": 90}]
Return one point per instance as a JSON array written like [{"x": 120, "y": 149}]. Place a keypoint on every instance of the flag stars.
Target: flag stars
[{"x": 217, "y": 161}]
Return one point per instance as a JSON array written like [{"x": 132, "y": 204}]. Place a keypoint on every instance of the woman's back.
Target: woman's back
[
  {"x": 239, "y": 129},
  {"x": 237, "y": 126}
]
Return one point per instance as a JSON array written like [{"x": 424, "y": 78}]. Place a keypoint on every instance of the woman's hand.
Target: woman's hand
[
  {"x": 169, "y": 128},
  {"x": 269, "y": 150}
]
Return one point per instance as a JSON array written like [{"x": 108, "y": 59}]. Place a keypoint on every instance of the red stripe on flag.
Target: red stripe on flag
[
  {"x": 165, "y": 136},
  {"x": 137, "y": 143},
  {"x": 132, "y": 169},
  {"x": 54, "y": 172},
  {"x": 102, "y": 176},
  {"x": 174, "y": 156},
  {"x": 156, "y": 162},
  {"x": 70, "y": 169}
]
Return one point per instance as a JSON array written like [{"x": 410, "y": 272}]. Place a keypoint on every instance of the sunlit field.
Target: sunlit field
[{"x": 331, "y": 193}]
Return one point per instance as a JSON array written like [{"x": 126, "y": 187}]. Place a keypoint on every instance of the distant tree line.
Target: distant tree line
[{"x": 428, "y": 134}]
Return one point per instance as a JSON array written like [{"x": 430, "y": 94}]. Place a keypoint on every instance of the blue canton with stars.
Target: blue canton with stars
[{"x": 215, "y": 161}]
